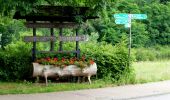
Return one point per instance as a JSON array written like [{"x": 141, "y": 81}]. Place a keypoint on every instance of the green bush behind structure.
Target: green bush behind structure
[
  {"x": 15, "y": 62},
  {"x": 112, "y": 61}
]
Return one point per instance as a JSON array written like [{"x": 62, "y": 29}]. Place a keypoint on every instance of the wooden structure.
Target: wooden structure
[{"x": 54, "y": 17}]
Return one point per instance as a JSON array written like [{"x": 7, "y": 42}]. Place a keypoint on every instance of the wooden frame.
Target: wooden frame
[{"x": 55, "y": 17}]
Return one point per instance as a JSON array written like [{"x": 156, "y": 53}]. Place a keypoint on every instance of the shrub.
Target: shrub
[
  {"x": 152, "y": 53},
  {"x": 15, "y": 62},
  {"x": 112, "y": 61},
  {"x": 143, "y": 54}
]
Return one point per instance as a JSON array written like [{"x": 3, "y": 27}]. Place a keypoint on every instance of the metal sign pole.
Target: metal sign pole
[{"x": 130, "y": 38}]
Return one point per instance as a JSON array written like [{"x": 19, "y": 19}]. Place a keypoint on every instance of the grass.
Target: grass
[
  {"x": 145, "y": 72},
  {"x": 28, "y": 87},
  {"x": 151, "y": 71}
]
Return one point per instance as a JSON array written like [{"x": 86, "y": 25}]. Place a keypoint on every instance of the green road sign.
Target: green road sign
[
  {"x": 121, "y": 21},
  {"x": 138, "y": 16},
  {"x": 121, "y": 15},
  {"x": 128, "y": 25}
]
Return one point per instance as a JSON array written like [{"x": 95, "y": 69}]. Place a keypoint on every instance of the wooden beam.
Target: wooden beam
[
  {"x": 52, "y": 42},
  {"x": 54, "y": 38},
  {"x": 77, "y": 44},
  {"x": 51, "y": 25},
  {"x": 61, "y": 43},
  {"x": 34, "y": 45},
  {"x": 39, "y": 38},
  {"x": 74, "y": 51},
  {"x": 73, "y": 38}
]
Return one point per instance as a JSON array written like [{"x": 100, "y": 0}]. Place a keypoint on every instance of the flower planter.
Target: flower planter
[{"x": 57, "y": 71}]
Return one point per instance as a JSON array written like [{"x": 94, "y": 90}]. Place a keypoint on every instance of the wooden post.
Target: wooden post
[
  {"x": 77, "y": 46},
  {"x": 34, "y": 45},
  {"x": 61, "y": 43},
  {"x": 52, "y": 42}
]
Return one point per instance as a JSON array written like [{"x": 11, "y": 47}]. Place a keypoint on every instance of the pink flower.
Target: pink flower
[
  {"x": 63, "y": 59},
  {"x": 55, "y": 59},
  {"x": 48, "y": 58}
]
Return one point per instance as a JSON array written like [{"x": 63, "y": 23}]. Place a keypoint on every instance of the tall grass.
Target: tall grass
[{"x": 151, "y": 71}]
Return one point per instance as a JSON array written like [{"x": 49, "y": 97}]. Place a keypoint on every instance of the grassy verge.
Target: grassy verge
[
  {"x": 28, "y": 87},
  {"x": 148, "y": 71},
  {"x": 151, "y": 71}
]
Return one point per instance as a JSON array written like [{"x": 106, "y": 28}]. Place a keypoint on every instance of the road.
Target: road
[
  {"x": 149, "y": 91},
  {"x": 165, "y": 96}
]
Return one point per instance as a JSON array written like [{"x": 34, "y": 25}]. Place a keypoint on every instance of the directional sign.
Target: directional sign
[
  {"x": 121, "y": 15},
  {"x": 128, "y": 25},
  {"x": 139, "y": 16},
  {"x": 121, "y": 21}
]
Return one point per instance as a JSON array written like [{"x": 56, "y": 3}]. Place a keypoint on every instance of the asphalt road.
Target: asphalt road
[
  {"x": 165, "y": 96},
  {"x": 149, "y": 91}
]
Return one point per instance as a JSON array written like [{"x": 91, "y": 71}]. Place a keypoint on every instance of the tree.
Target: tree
[
  {"x": 158, "y": 23},
  {"x": 10, "y": 6}
]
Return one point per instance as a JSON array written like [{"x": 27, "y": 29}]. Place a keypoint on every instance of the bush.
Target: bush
[
  {"x": 143, "y": 54},
  {"x": 152, "y": 53},
  {"x": 15, "y": 62},
  {"x": 112, "y": 61}
]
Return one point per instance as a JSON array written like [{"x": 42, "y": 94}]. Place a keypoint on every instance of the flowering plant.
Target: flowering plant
[{"x": 63, "y": 62}]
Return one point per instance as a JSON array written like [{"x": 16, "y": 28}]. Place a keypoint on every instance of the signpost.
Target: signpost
[{"x": 123, "y": 18}]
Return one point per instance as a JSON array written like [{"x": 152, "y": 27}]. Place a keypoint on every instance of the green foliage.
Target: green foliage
[
  {"x": 152, "y": 31},
  {"x": 15, "y": 62},
  {"x": 152, "y": 53},
  {"x": 158, "y": 23},
  {"x": 9, "y": 29},
  {"x": 112, "y": 61},
  {"x": 139, "y": 35},
  {"x": 155, "y": 30},
  {"x": 143, "y": 54}
]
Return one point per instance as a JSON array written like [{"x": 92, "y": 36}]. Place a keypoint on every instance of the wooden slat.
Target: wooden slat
[
  {"x": 39, "y": 38},
  {"x": 73, "y": 38},
  {"x": 50, "y": 25},
  {"x": 74, "y": 51},
  {"x": 54, "y": 38}
]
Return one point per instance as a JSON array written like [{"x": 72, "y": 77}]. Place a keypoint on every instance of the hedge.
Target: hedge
[{"x": 112, "y": 61}]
